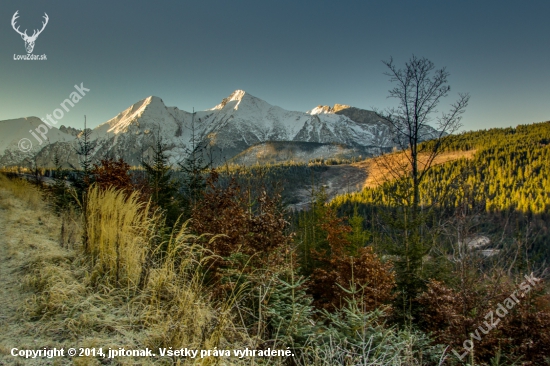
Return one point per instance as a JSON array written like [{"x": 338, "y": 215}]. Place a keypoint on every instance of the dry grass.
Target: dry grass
[
  {"x": 28, "y": 236},
  {"x": 120, "y": 231},
  {"x": 162, "y": 277},
  {"x": 134, "y": 286},
  {"x": 392, "y": 166},
  {"x": 22, "y": 190},
  {"x": 54, "y": 296}
]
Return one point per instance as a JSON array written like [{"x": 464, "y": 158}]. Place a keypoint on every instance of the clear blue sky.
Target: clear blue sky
[{"x": 294, "y": 54}]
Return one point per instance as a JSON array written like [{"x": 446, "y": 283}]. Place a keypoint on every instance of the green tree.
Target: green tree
[
  {"x": 163, "y": 188},
  {"x": 290, "y": 311},
  {"x": 194, "y": 168},
  {"x": 359, "y": 236},
  {"x": 82, "y": 178},
  {"x": 61, "y": 196},
  {"x": 311, "y": 236}
]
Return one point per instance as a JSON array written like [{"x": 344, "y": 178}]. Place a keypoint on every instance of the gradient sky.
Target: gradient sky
[{"x": 294, "y": 54}]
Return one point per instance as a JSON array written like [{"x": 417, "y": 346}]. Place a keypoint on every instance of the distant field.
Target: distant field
[{"x": 387, "y": 167}]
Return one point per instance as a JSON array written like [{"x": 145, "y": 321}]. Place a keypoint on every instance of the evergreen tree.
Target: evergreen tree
[
  {"x": 194, "y": 168},
  {"x": 290, "y": 312},
  {"x": 359, "y": 236},
  {"x": 311, "y": 236},
  {"x": 163, "y": 188},
  {"x": 82, "y": 178},
  {"x": 60, "y": 192}
]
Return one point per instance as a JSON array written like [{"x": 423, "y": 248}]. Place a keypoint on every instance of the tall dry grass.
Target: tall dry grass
[
  {"x": 120, "y": 231},
  {"x": 134, "y": 286},
  {"x": 158, "y": 275}
]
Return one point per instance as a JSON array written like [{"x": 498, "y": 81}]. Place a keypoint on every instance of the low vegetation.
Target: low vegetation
[{"x": 145, "y": 259}]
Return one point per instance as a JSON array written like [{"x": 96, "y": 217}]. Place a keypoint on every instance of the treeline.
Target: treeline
[
  {"x": 507, "y": 182},
  {"x": 522, "y": 135}
]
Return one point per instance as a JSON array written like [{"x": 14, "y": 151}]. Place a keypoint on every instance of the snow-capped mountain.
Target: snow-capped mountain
[
  {"x": 17, "y": 143},
  {"x": 238, "y": 122}
]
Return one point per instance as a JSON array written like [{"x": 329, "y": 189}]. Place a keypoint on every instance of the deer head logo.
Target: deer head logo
[{"x": 29, "y": 40}]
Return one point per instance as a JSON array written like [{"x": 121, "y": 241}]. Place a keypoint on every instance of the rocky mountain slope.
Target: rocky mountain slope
[
  {"x": 21, "y": 139},
  {"x": 240, "y": 121}
]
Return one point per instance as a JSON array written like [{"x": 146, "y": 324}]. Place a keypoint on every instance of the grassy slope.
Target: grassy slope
[
  {"x": 26, "y": 234},
  {"x": 43, "y": 302},
  {"x": 378, "y": 170},
  {"x": 507, "y": 168}
]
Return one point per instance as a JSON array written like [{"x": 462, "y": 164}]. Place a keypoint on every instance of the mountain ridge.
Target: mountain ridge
[{"x": 238, "y": 122}]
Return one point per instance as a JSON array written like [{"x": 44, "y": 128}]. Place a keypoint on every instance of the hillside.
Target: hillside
[
  {"x": 379, "y": 170},
  {"x": 299, "y": 166},
  {"x": 239, "y": 122},
  {"x": 500, "y": 181},
  {"x": 273, "y": 152},
  {"x": 506, "y": 168}
]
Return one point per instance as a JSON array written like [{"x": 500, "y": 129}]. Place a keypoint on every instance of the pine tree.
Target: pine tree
[
  {"x": 82, "y": 178},
  {"x": 359, "y": 236},
  {"x": 311, "y": 237},
  {"x": 164, "y": 190},
  {"x": 290, "y": 312},
  {"x": 60, "y": 192},
  {"x": 194, "y": 168}
]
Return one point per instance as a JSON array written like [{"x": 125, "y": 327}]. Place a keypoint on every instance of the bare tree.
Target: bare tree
[{"x": 419, "y": 90}]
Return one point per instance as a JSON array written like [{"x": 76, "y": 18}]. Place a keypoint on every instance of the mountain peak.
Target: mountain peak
[
  {"x": 325, "y": 109},
  {"x": 339, "y": 107},
  {"x": 152, "y": 101},
  {"x": 320, "y": 109},
  {"x": 237, "y": 95},
  {"x": 234, "y": 100},
  {"x": 151, "y": 105}
]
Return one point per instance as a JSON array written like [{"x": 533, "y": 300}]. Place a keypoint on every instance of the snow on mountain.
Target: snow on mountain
[
  {"x": 238, "y": 122},
  {"x": 12, "y": 131},
  {"x": 243, "y": 118}
]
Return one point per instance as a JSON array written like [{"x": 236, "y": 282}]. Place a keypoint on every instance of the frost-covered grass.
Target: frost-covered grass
[{"x": 136, "y": 285}]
